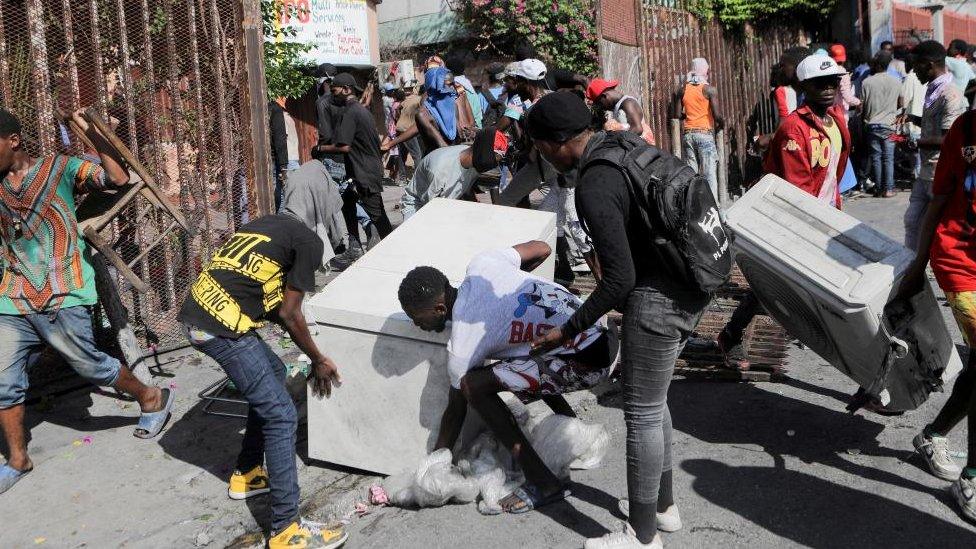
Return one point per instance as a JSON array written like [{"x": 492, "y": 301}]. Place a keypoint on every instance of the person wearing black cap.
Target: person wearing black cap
[
  {"x": 356, "y": 139},
  {"x": 659, "y": 312},
  {"x": 327, "y": 117},
  {"x": 450, "y": 172}
]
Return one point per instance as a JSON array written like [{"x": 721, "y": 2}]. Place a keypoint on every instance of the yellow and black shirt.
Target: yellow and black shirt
[{"x": 245, "y": 279}]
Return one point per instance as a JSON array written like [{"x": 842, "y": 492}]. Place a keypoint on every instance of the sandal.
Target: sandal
[
  {"x": 532, "y": 498},
  {"x": 151, "y": 423},
  {"x": 9, "y": 476}
]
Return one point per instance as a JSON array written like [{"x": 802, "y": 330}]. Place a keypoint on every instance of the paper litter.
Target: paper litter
[{"x": 486, "y": 469}]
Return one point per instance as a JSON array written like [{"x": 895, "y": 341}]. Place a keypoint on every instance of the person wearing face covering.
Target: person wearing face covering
[
  {"x": 437, "y": 119},
  {"x": 698, "y": 107},
  {"x": 357, "y": 141},
  {"x": 450, "y": 172},
  {"x": 327, "y": 115}
]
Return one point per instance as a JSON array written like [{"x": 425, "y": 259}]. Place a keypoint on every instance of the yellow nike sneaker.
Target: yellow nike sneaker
[
  {"x": 308, "y": 535},
  {"x": 249, "y": 484}
]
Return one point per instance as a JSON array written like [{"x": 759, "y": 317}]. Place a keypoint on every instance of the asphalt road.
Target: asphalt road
[{"x": 756, "y": 465}]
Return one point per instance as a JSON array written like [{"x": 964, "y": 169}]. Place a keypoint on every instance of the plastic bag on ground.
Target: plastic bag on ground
[
  {"x": 566, "y": 443},
  {"x": 487, "y": 469},
  {"x": 435, "y": 482}
]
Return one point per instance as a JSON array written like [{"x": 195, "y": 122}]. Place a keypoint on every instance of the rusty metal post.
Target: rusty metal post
[
  {"x": 176, "y": 112},
  {"x": 142, "y": 306},
  {"x": 157, "y": 146},
  {"x": 219, "y": 46},
  {"x": 71, "y": 63},
  {"x": 200, "y": 190},
  {"x": 676, "y": 148},
  {"x": 723, "y": 169},
  {"x": 257, "y": 106},
  {"x": 100, "y": 93},
  {"x": 40, "y": 76},
  {"x": 645, "y": 69}
]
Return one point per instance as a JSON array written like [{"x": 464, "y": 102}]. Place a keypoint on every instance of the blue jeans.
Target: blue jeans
[
  {"x": 882, "y": 156},
  {"x": 272, "y": 421},
  {"x": 701, "y": 154},
  {"x": 279, "y": 190},
  {"x": 69, "y": 332},
  {"x": 655, "y": 328}
]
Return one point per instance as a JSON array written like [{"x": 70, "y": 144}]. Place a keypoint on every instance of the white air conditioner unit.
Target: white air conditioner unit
[{"x": 827, "y": 277}]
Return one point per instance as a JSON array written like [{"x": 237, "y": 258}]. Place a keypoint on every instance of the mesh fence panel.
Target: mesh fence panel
[
  {"x": 171, "y": 74},
  {"x": 740, "y": 66}
]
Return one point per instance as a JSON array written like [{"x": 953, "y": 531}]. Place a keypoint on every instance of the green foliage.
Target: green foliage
[
  {"x": 283, "y": 61},
  {"x": 735, "y": 13},
  {"x": 562, "y": 31}
]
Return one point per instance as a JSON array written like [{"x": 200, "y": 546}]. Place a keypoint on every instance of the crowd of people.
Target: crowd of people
[{"x": 546, "y": 138}]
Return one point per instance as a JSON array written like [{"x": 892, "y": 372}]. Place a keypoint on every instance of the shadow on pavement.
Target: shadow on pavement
[
  {"x": 204, "y": 441},
  {"x": 812, "y": 512},
  {"x": 72, "y": 411},
  {"x": 783, "y": 426},
  {"x": 565, "y": 514}
]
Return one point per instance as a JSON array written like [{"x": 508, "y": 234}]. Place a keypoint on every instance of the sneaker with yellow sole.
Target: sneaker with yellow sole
[
  {"x": 308, "y": 535},
  {"x": 249, "y": 484}
]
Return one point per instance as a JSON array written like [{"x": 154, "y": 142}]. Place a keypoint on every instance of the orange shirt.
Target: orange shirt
[{"x": 698, "y": 115}]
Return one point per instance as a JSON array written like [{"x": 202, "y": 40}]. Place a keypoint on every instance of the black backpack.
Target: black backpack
[{"x": 689, "y": 238}]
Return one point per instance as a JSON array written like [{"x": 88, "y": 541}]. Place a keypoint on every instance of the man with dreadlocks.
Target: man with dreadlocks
[{"x": 495, "y": 312}]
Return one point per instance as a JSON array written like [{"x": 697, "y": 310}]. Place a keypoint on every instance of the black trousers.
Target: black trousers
[
  {"x": 748, "y": 308},
  {"x": 372, "y": 203}
]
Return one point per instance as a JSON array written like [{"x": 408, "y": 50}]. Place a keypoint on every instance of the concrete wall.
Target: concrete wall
[
  {"x": 623, "y": 63},
  {"x": 620, "y": 52}
]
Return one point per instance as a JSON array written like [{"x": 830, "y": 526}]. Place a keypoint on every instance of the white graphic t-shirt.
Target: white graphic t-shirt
[{"x": 501, "y": 308}]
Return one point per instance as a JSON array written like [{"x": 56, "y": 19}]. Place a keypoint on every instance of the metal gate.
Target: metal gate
[
  {"x": 740, "y": 64},
  {"x": 173, "y": 75}
]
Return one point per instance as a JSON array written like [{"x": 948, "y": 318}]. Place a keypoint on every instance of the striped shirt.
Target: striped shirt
[{"x": 44, "y": 263}]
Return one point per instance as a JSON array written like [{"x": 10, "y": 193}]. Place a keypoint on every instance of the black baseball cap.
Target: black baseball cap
[
  {"x": 326, "y": 70},
  {"x": 558, "y": 116},
  {"x": 347, "y": 80}
]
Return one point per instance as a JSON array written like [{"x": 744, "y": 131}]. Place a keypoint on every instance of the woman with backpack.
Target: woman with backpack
[{"x": 660, "y": 308}]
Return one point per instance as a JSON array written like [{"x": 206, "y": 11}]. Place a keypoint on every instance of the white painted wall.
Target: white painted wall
[{"x": 391, "y": 10}]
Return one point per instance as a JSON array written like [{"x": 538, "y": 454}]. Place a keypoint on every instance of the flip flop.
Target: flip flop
[
  {"x": 9, "y": 476},
  {"x": 151, "y": 423},
  {"x": 532, "y": 499}
]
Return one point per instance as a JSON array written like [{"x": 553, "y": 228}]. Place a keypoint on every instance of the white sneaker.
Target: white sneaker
[
  {"x": 668, "y": 521},
  {"x": 964, "y": 490},
  {"x": 935, "y": 451},
  {"x": 625, "y": 539}
]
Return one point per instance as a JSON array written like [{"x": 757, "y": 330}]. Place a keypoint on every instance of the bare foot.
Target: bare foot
[
  {"x": 23, "y": 465},
  {"x": 155, "y": 403}
]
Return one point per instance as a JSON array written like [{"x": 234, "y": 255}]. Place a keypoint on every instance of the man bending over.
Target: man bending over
[
  {"x": 451, "y": 172},
  {"x": 497, "y": 310}
]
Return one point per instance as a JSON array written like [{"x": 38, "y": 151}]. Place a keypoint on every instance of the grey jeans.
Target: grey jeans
[
  {"x": 655, "y": 329},
  {"x": 917, "y": 204}
]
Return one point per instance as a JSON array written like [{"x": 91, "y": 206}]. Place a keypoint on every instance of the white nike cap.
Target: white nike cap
[
  {"x": 816, "y": 66},
  {"x": 529, "y": 69}
]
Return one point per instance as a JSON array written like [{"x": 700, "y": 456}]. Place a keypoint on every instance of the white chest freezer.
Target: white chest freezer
[{"x": 386, "y": 415}]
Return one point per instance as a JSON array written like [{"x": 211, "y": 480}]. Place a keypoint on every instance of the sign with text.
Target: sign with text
[{"x": 338, "y": 30}]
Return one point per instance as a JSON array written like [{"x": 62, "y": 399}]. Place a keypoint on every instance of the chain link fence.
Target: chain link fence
[{"x": 171, "y": 76}]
